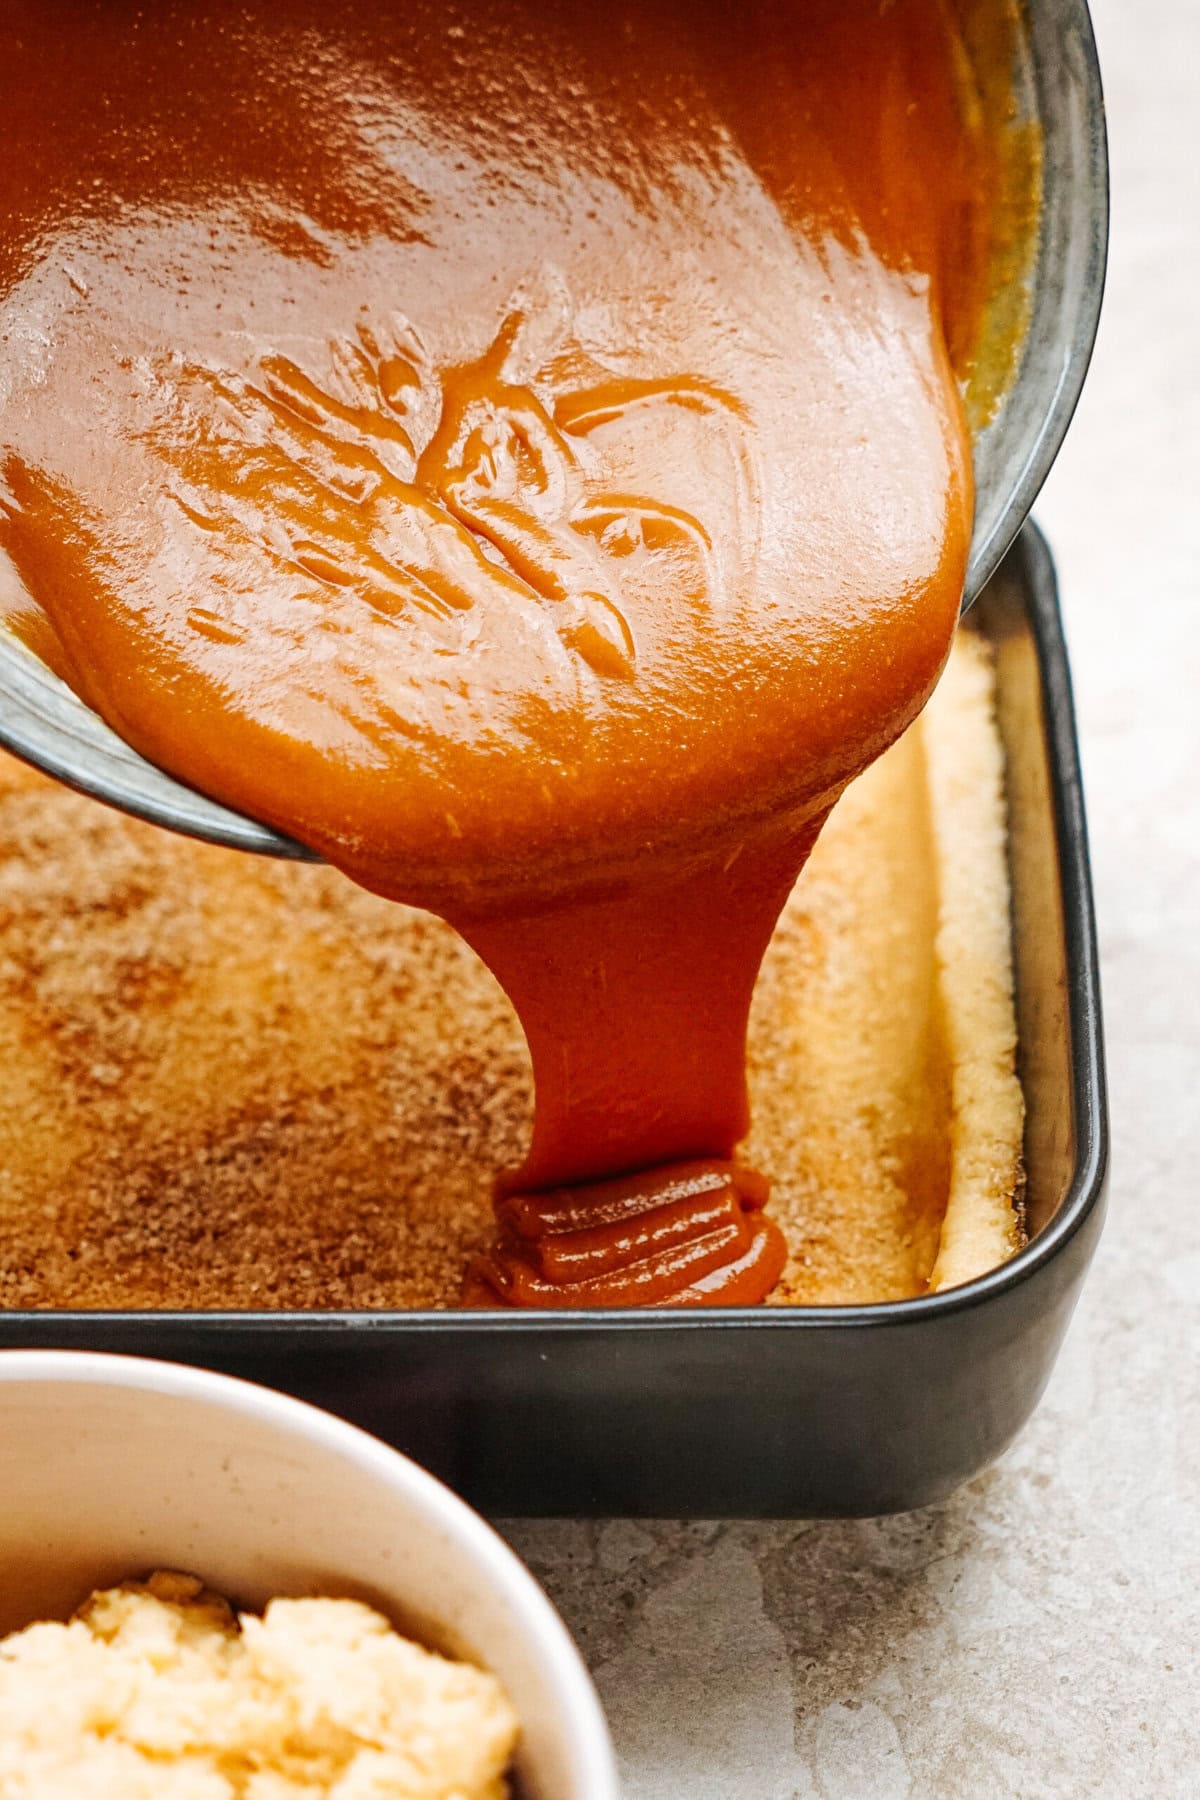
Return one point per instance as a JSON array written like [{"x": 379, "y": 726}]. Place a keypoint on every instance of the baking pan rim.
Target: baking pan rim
[{"x": 1088, "y": 1095}]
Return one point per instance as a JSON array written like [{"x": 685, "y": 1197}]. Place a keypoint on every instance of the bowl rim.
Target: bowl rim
[
  {"x": 473, "y": 1539},
  {"x": 1090, "y": 193}
]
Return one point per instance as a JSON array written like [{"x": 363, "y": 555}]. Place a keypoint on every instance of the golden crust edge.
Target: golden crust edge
[{"x": 964, "y": 761}]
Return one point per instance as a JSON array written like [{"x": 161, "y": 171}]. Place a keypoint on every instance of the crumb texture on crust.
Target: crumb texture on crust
[
  {"x": 157, "y": 1691},
  {"x": 231, "y": 1082},
  {"x": 883, "y": 1037}
]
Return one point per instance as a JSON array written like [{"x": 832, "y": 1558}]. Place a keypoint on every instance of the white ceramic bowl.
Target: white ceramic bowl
[{"x": 111, "y": 1466}]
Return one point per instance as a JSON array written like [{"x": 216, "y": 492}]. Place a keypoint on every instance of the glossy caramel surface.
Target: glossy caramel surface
[{"x": 516, "y": 450}]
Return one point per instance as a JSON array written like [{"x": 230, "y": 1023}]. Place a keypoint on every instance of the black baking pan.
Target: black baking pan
[{"x": 814, "y": 1411}]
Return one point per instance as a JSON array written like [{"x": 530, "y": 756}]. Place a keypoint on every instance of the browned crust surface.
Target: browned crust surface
[{"x": 236, "y": 1083}]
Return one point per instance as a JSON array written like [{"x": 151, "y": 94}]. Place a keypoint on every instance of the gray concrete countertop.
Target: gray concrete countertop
[{"x": 1038, "y": 1635}]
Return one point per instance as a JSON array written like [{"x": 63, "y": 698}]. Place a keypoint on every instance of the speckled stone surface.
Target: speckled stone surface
[{"x": 1039, "y": 1635}]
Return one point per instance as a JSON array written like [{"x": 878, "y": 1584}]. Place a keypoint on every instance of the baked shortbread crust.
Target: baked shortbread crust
[{"x": 231, "y": 1082}]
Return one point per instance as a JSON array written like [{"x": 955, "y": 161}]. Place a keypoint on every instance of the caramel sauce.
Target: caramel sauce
[
  {"x": 693, "y": 1234},
  {"x": 519, "y": 452}
]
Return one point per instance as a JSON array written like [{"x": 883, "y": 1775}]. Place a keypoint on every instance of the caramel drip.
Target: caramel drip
[
  {"x": 684, "y": 1233},
  {"x": 690, "y": 1234}
]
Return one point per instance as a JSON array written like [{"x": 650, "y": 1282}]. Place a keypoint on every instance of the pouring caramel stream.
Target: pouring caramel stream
[{"x": 518, "y": 451}]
